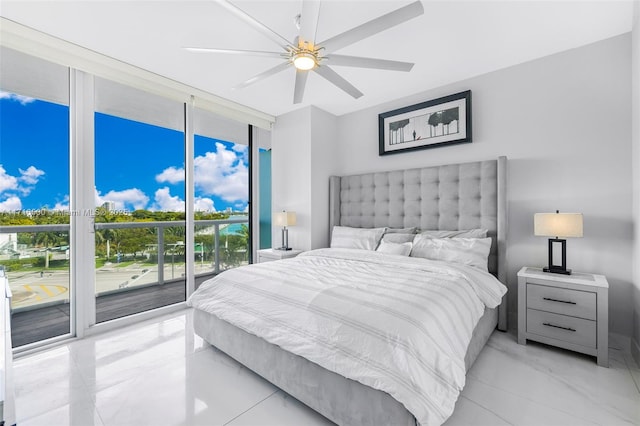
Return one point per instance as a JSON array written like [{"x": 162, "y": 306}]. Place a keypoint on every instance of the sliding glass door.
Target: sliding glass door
[
  {"x": 221, "y": 188},
  {"x": 140, "y": 207},
  {"x": 34, "y": 196},
  {"x": 93, "y": 197}
]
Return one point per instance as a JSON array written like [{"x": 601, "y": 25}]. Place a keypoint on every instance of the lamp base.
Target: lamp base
[
  {"x": 555, "y": 270},
  {"x": 285, "y": 240}
]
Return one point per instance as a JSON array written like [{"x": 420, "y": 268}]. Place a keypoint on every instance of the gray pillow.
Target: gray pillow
[{"x": 411, "y": 230}]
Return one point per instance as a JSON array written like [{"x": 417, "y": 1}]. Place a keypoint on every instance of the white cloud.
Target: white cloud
[
  {"x": 22, "y": 184},
  {"x": 7, "y": 182},
  {"x": 165, "y": 202},
  {"x": 31, "y": 175},
  {"x": 62, "y": 205},
  {"x": 24, "y": 100},
  {"x": 123, "y": 200},
  {"x": 222, "y": 173},
  {"x": 11, "y": 204},
  {"x": 204, "y": 205},
  {"x": 171, "y": 175}
]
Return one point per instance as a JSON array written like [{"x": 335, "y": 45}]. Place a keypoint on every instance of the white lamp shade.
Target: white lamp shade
[
  {"x": 557, "y": 224},
  {"x": 284, "y": 219}
]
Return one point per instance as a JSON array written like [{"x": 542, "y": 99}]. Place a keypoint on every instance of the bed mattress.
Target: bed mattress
[
  {"x": 399, "y": 325},
  {"x": 344, "y": 401}
]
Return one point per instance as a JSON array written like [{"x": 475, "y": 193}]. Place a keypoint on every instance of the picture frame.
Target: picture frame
[{"x": 430, "y": 124}]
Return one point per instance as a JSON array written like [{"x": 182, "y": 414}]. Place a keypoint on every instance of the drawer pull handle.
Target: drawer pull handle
[
  {"x": 558, "y": 326},
  {"x": 559, "y": 301}
]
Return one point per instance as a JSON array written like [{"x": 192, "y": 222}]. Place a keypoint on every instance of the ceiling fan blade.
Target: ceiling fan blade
[
  {"x": 257, "y": 25},
  {"x": 234, "y": 52},
  {"x": 309, "y": 20},
  {"x": 301, "y": 82},
  {"x": 379, "y": 64},
  {"x": 268, "y": 73},
  {"x": 333, "y": 77},
  {"x": 373, "y": 27}
]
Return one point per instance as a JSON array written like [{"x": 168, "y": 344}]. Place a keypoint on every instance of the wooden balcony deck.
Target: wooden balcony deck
[{"x": 43, "y": 323}]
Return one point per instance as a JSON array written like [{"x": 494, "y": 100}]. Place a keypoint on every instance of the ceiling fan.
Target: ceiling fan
[{"x": 306, "y": 55}]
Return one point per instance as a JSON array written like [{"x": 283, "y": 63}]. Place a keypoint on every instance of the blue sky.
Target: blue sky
[{"x": 137, "y": 165}]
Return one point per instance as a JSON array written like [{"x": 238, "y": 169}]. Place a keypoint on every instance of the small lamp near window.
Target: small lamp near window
[
  {"x": 284, "y": 219},
  {"x": 558, "y": 225}
]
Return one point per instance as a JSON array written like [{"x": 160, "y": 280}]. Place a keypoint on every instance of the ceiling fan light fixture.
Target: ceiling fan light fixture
[{"x": 304, "y": 61}]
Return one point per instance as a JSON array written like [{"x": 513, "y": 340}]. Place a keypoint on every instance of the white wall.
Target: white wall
[
  {"x": 303, "y": 158},
  {"x": 323, "y": 164},
  {"x": 635, "y": 344},
  {"x": 564, "y": 121},
  {"x": 290, "y": 174}
]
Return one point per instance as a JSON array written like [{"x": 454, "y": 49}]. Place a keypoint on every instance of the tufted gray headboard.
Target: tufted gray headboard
[{"x": 449, "y": 197}]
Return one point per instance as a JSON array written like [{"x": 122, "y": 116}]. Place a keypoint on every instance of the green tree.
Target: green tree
[{"x": 48, "y": 239}]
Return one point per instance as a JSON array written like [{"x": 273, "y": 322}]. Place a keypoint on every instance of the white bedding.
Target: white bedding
[{"x": 398, "y": 324}]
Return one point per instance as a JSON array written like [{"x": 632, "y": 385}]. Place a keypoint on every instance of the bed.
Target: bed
[{"x": 451, "y": 197}]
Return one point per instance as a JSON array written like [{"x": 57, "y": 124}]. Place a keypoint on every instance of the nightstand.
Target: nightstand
[
  {"x": 567, "y": 311},
  {"x": 269, "y": 255}
]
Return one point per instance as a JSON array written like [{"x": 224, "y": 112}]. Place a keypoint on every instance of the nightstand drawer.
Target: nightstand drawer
[
  {"x": 581, "y": 304},
  {"x": 568, "y": 329}
]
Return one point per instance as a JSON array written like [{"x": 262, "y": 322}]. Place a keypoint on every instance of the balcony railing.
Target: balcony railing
[{"x": 212, "y": 254}]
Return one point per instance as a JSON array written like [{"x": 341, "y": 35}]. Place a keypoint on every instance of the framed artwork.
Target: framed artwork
[{"x": 430, "y": 124}]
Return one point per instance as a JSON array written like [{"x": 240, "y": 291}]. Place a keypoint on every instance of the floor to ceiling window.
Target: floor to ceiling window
[
  {"x": 221, "y": 202},
  {"x": 34, "y": 195},
  {"x": 140, "y": 207},
  {"x": 98, "y": 161}
]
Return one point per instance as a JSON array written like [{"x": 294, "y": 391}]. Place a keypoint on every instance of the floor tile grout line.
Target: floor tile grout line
[
  {"x": 531, "y": 400},
  {"x": 561, "y": 380},
  {"x": 253, "y": 406},
  {"x": 487, "y": 409}
]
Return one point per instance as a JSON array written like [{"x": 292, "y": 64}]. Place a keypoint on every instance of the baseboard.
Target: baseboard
[{"x": 635, "y": 351}]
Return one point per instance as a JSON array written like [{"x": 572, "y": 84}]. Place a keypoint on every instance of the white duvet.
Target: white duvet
[{"x": 398, "y": 324}]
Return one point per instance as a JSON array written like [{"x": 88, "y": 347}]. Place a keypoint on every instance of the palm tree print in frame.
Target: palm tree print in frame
[{"x": 442, "y": 121}]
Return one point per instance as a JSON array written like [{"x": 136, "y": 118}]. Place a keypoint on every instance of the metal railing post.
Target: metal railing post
[
  {"x": 216, "y": 238},
  {"x": 160, "y": 255}
]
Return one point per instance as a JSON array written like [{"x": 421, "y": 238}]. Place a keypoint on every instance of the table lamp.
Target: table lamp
[
  {"x": 557, "y": 225},
  {"x": 284, "y": 219}
]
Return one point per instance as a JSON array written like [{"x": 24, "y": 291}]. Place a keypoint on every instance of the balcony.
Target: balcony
[{"x": 139, "y": 266}]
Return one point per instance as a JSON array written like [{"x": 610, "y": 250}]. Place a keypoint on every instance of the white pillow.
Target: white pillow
[
  {"x": 403, "y": 249},
  {"x": 468, "y": 251},
  {"x": 465, "y": 233},
  {"x": 357, "y": 238},
  {"x": 398, "y": 238}
]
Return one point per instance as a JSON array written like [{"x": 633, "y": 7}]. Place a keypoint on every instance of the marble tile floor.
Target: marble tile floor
[{"x": 158, "y": 372}]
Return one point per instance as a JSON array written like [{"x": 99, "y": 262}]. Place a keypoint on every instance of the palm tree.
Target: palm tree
[
  {"x": 244, "y": 234},
  {"x": 106, "y": 236},
  {"x": 47, "y": 239}
]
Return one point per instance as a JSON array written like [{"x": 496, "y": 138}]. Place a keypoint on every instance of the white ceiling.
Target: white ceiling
[{"x": 452, "y": 41}]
